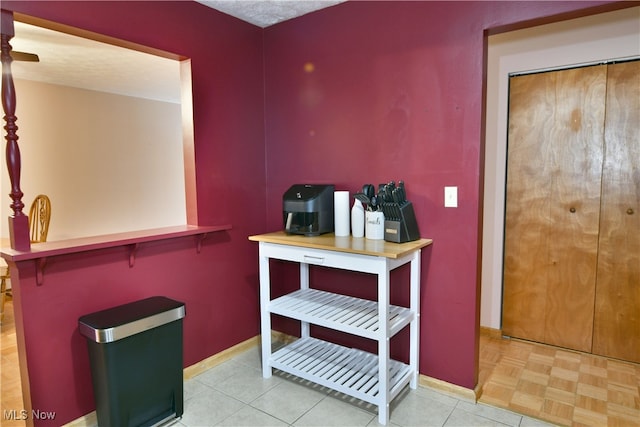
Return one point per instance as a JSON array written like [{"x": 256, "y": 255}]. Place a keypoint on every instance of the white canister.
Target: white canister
[
  {"x": 374, "y": 228},
  {"x": 357, "y": 219},
  {"x": 341, "y": 213}
]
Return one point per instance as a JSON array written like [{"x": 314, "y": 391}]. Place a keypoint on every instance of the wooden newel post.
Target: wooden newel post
[{"x": 18, "y": 222}]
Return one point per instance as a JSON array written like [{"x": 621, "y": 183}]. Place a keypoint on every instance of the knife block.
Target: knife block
[{"x": 404, "y": 227}]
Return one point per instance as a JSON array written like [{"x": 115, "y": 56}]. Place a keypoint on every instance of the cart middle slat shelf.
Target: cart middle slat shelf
[{"x": 340, "y": 312}]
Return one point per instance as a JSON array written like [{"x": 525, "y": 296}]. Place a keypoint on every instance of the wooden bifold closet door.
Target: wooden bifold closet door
[
  {"x": 573, "y": 189},
  {"x": 617, "y": 309}
]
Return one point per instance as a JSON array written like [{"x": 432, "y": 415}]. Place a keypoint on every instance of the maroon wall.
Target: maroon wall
[
  {"x": 396, "y": 92},
  {"x": 219, "y": 285}
]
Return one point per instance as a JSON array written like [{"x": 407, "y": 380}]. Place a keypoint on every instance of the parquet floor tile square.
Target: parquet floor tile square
[
  {"x": 591, "y": 404},
  {"x": 531, "y": 388},
  {"x": 624, "y": 397},
  {"x": 566, "y": 375},
  {"x": 591, "y": 379},
  {"x": 624, "y": 414},
  {"x": 595, "y": 392},
  {"x": 541, "y": 378},
  {"x": 526, "y": 403},
  {"x": 560, "y": 395},
  {"x": 496, "y": 394},
  {"x": 589, "y": 418},
  {"x": 557, "y": 412},
  {"x": 563, "y": 384}
]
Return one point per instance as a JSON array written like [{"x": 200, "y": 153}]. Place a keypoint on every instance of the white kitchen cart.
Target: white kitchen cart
[{"x": 376, "y": 379}]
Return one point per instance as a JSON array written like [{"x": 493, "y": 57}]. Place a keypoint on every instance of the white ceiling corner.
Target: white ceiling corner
[{"x": 264, "y": 13}]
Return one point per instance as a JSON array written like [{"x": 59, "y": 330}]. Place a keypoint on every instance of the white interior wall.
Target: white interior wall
[
  {"x": 109, "y": 163},
  {"x": 602, "y": 37}
]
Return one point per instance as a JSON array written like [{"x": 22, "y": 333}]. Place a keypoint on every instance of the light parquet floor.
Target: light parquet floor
[
  {"x": 10, "y": 387},
  {"x": 556, "y": 385}
]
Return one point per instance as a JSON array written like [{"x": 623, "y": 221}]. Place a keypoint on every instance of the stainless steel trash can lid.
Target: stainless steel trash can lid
[{"x": 125, "y": 320}]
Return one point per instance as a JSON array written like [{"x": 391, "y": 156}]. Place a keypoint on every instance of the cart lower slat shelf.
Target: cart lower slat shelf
[
  {"x": 340, "y": 312},
  {"x": 347, "y": 370}
]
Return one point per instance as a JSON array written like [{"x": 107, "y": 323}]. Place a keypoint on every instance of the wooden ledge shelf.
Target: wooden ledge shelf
[{"x": 42, "y": 251}]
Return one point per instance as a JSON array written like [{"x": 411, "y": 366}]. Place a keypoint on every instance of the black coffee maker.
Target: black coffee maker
[{"x": 307, "y": 209}]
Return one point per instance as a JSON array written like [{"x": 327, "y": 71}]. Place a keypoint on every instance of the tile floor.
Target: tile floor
[
  {"x": 522, "y": 383},
  {"x": 235, "y": 394}
]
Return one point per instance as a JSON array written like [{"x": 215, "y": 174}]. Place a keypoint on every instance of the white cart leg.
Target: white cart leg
[
  {"x": 414, "y": 327},
  {"x": 383, "y": 343},
  {"x": 304, "y": 284},
  {"x": 265, "y": 315}
]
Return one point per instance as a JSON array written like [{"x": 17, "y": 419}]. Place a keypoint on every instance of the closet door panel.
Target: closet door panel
[
  {"x": 552, "y": 206},
  {"x": 576, "y": 140},
  {"x": 531, "y": 107},
  {"x": 617, "y": 308}
]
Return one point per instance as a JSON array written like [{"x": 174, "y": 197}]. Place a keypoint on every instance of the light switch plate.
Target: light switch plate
[{"x": 450, "y": 197}]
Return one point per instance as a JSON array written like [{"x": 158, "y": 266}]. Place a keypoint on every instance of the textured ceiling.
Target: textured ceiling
[
  {"x": 268, "y": 12},
  {"x": 77, "y": 62}
]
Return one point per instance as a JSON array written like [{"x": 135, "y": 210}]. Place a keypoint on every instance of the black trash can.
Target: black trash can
[{"x": 135, "y": 351}]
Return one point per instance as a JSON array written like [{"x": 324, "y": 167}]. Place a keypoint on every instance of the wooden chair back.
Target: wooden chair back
[{"x": 39, "y": 218}]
